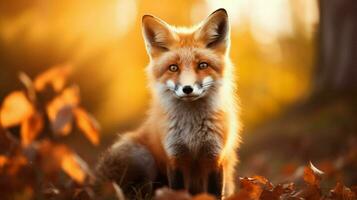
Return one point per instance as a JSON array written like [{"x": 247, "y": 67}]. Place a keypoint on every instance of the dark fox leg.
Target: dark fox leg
[
  {"x": 130, "y": 165},
  {"x": 176, "y": 179},
  {"x": 215, "y": 183}
]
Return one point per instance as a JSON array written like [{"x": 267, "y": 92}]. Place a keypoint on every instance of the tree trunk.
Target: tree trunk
[{"x": 337, "y": 62}]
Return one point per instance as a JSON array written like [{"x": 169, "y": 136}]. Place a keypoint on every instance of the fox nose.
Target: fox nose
[{"x": 187, "y": 89}]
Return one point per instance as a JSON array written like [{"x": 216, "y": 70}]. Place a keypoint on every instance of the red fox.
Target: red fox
[{"x": 191, "y": 134}]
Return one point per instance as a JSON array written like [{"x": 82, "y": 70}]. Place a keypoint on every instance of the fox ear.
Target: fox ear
[
  {"x": 214, "y": 32},
  {"x": 157, "y": 34}
]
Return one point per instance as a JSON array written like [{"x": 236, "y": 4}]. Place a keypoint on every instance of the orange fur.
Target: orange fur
[{"x": 187, "y": 48}]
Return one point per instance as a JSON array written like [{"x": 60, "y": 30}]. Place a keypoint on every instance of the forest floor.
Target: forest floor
[{"x": 323, "y": 132}]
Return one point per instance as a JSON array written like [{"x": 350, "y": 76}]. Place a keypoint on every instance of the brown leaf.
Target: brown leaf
[
  {"x": 15, "y": 109},
  {"x": 278, "y": 192},
  {"x": 88, "y": 125},
  {"x": 55, "y": 77},
  {"x": 309, "y": 192},
  {"x": 30, "y": 128},
  {"x": 261, "y": 179},
  {"x": 312, "y": 175},
  {"x": 342, "y": 192},
  {"x": 250, "y": 188}
]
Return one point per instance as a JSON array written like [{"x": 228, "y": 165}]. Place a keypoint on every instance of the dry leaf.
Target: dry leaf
[
  {"x": 261, "y": 179},
  {"x": 30, "y": 128},
  {"x": 55, "y": 77},
  {"x": 15, "y": 109},
  {"x": 312, "y": 175},
  {"x": 250, "y": 188},
  {"x": 309, "y": 192},
  {"x": 342, "y": 192},
  {"x": 88, "y": 125}
]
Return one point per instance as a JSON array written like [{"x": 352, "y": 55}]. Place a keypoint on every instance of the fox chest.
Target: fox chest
[{"x": 195, "y": 134}]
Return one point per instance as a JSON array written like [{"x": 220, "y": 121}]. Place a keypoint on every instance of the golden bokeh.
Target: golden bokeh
[{"x": 273, "y": 47}]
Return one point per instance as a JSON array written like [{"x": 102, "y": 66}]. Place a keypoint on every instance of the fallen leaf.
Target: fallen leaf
[
  {"x": 15, "y": 109},
  {"x": 309, "y": 192},
  {"x": 88, "y": 125},
  {"x": 340, "y": 191},
  {"x": 250, "y": 189},
  {"x": 312, "y": 175},
  {"x": 261, "y": 179}
]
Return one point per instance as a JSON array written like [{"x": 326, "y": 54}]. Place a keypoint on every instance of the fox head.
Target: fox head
[{"x": 187, "y": 63}]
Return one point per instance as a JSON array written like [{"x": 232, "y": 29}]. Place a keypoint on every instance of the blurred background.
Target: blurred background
[{"x": 295, "y": 60}]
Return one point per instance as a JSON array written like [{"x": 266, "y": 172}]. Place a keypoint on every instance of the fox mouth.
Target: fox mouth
[{"x": 190, "y": 97}]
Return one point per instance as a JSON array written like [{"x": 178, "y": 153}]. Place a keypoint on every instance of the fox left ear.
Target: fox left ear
[
  {"x": 215, "y": 30},
  {"x": 158, "y": 35}
]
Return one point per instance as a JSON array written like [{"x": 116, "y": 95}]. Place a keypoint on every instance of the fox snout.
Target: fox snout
[{"x": 190, "y": 90}]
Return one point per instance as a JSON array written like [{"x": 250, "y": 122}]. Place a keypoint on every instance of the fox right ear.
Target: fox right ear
[
  {"x": 215, "y": 30},
  {"x": 157, "y": 34}
]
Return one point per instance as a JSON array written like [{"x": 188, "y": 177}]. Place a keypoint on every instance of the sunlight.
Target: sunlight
[
  {"x": 267, "y": 21},
  {"x": 126, "y": 15}
]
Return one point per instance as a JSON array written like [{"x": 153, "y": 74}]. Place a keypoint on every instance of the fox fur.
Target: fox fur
[{"x": 190, "y": 137}]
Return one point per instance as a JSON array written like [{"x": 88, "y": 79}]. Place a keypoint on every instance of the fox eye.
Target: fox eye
[
  {"x": 202, "y": 65},
  {"x": 173, "y": 68}
]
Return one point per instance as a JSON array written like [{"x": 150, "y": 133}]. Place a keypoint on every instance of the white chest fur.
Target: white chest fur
[{"x": 194, "y": 130}]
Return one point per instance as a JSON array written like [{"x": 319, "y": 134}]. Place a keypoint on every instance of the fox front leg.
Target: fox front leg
[
  {"x": 215, "y": 183},
  {"x": 176, "y": 178}
]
